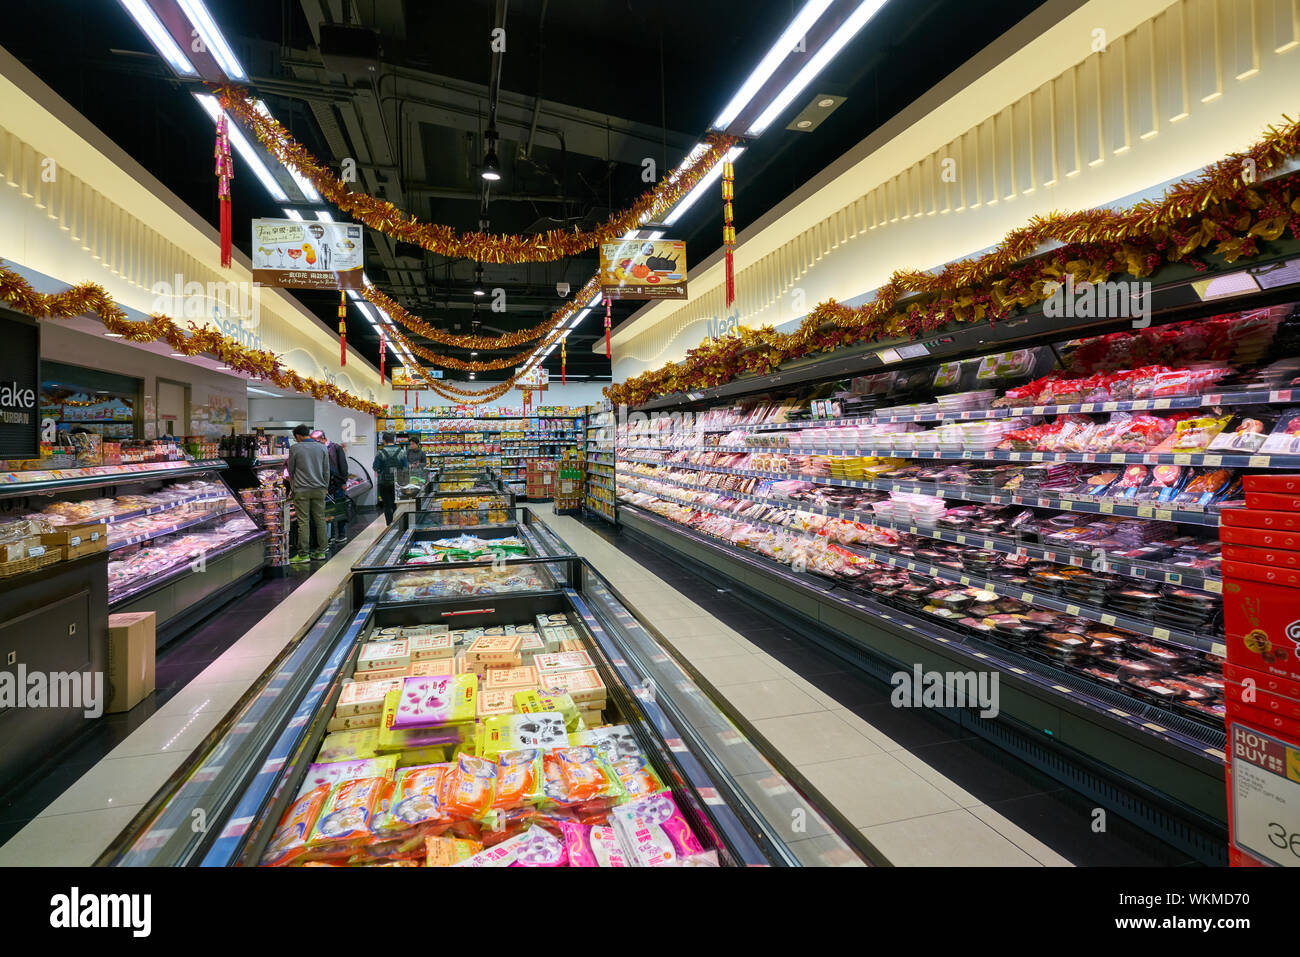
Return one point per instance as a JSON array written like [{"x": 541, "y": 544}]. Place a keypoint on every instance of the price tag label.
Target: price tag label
[
  {"x": 988, "y": 544},
  {"x": 1106, "y": 508},
  {"x": 1213, "y": 585},
  {"x": 1161, "y": 633},
  {"x": 1118, "y": 458},
  {"x": 1283, "y": 395},
  {"x": 1039, "y": 409},
  {"x": 1219, "y": 648},
  {"x": 1265, "y": 795},
  {"x": 967, "y": 454},
  {"x": 1109, "y": 406},
  {"x": 1027, "y": 598},
  {"x": 1141, "y": 404},
  {"x": 1037, "y": 457},
  {"x": 1071, "y": 609},
  {"x": 1164, "y": 514},
  {"x": 1067, "y": 505},
  {"x": 965, "y": 579},
  {"x": 1259, "y": 461},
  {"x": 1087, "y": 407},
  {"x": 1173, "y": 578},
  {"x": 1108, "y": 620},
  {"x": 1138, "y": 571},
  {"x": 1090, "y": 456},
  {"x": 1182, "y": 460},
  {"x": 961, "y": 539},
  {"x": 1145, "y": 511}
]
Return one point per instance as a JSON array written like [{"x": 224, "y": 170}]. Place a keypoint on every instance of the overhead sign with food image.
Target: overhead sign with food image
[
  {"x": 643, "y": 269},
  {"x": 297, "y": 255}
]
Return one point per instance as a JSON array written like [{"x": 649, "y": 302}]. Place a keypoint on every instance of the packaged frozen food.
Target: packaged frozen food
[
  {"x": 654, "y": 832},
  {"x": 289, "y": 842}
]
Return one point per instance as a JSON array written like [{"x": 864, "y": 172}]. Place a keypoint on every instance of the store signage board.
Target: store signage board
[
  {"x": 1265, "y": 795},
  {"x": 301, "y": 255},
  {"x": 20, "y": 387},
  {"x": 643, "y": 269}
]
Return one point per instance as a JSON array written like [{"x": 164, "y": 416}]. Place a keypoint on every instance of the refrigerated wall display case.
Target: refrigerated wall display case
[
  {"x": 176, "y": 536},
  {"x": 633, "y": 714},
  {"x": 1038, "y": 496},
  {"x": 599, "y": 498}
]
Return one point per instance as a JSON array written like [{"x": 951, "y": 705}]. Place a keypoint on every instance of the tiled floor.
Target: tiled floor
[
  {"x": 68, "y": 811},
  {"x": 919, "y": 788}
]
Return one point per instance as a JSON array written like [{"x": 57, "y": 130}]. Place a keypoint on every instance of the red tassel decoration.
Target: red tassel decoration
[
  {"x": 383, "y": 349},
  {"x": 728, "y": 227},
  {"x": 608, "y": 307},
  {"x": 343, "y": 328},
  {"x": 564, "y": 359},
  {"x": 225, "y": 173}
]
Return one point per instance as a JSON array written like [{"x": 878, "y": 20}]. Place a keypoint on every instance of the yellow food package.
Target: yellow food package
[
  {"x": 446, "y": 851},
  {"x": 348, "y": 746}
]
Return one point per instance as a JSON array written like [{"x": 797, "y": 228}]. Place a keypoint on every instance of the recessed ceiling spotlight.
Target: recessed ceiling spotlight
[
  {"x": 826, "y": 102},
  {"x": 804, "y": 124}
]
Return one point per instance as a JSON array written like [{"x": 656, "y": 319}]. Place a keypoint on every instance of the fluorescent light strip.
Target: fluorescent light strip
[
  {"x": 293, "y": 214},
  {"x": 582, "y": 315},
  {"x": 245, "y": 149},
  {"x": 212, "y": 36},
  {"x": 303, "y": 184},
  {"x": 364, "y": 309},
  {"x": 323, "y": 216},
  {"x": 702, "y": 187},
  {"x": 157, "y": 34},
  {"x": 775, "y": 57},
  {"x": 846, "y": 31}
]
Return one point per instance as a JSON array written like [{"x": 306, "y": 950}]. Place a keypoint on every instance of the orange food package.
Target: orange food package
[
  {"x": 290, "y": 839},
  {"x": 446, "y": 851},
  {"x": 469, "y": 787},
  {"x": 587, "y": 775},
  {"x": 345, "y": 818},
  {"x": 519, "y": 778}
]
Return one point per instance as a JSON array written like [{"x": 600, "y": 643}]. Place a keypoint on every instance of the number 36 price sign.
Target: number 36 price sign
[{"x": 1265, "y": 796}]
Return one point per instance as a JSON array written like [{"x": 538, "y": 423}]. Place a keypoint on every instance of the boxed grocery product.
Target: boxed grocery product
[
  {"x": 348, "y": 746},
  {"x": 495, "y": 701},
  {"x": 1273, "y": 501},
  {"x": 564, "y": 661},
  {"x": 586, "y": 687},
  {"x": 1261, "y": 620},
  {"x": 378, "y": 655},
  {"x": 355, "y": 722},
  {"x": 517, "y": 678},
  {"x": 432, "y": 668},
  {"x": 494, "y": 650},
  {"x": 431, "y": 701},
  {"x": 1256, "y": 518},
  {"x": 514, "y": 732},
  {"x": 364, "y": 697},
  {"x": 426, "y": 647},
  {"x": 78, "y": 540},
  {"x": 1262, "y": 556},
  {"x": 1259, "y": 537},
  {"x": 131, "y": 648},
  {"x": 1272, "y": 483},
  {"x": 382, "y": 674}
]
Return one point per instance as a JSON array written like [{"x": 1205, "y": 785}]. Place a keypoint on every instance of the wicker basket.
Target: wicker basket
[{"x": 25, "y": 565}]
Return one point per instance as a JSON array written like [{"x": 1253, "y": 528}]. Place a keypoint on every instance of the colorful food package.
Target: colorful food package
[
  {"x": 364, "y": 697},
  {"x": 1246, "y": 435},
  {"x": 531, "y": 702},
  {"x": 348, "y": 746},
  {"x": 328, "y": 774},
  {"x": 595, "y": 846},
  {"x": 514, "y": 732},
  {"x": 531, "y": 644},
  {"x": 432, "y": 668},
  {"x": 395, "y": 653},
  {"x": 515, "y": 678},
  {"x": 587, "y": 775},
  {"x": 1195, "y": 434},
  {"x": 449, "y": 851},
  {"x": 615, "y": 742},
  {"x": 346, "y": 815},
  {"x": 636, "y": 776},
  {"x": 534, "y": 848},
  {"x": 519, "y": 778},
  {"x": 563, "y": 661},
  {"x": 654, "y": 832},
  {"x": 469, "y": 787},
  {"x": 1285, "y": 437},
  {"x": 415, "y": 798},
  {"x": 426, "y": 702},
  {"x": 289, "y": 841}
]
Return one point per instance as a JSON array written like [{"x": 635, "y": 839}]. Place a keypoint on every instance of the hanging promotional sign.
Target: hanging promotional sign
[
  {"x": 535, "y": 380},
  {"x": 294, "y": 255},
  {"x": 401, "y": 379},
  {"x": 20, "y": 388},
  {"x": 643, "y": 269}
]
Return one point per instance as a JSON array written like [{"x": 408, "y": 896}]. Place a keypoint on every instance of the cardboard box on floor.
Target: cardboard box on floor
[{"x": 131, "y": 646}]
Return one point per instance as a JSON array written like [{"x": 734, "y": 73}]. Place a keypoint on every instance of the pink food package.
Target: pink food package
[
  {"x": 534, "y": 848},
  {"x": 654, "y": 832},
  {"x": 596, "y": 846}
]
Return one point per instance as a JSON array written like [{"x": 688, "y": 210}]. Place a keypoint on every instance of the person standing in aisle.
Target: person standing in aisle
[
  {"x": 388, "y": 459},
  {"x": 338, "y": 461},
  {"x": 309, "y": 477},
  {"x": 415, "y": 457}
]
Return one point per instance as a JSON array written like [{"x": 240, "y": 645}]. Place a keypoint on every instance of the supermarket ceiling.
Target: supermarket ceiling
[{"x": 588, "y": 90}]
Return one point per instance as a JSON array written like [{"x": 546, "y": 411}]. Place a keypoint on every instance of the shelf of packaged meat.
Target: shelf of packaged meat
[{"x": 539, "y": 728}]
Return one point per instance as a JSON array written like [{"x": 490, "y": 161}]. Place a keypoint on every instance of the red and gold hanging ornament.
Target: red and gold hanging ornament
[
  {"x": 343, "y": 328},
  {"x": 608, "y": 307},
  {"x": 728, "y": 226},
  {"x": 382, "y": 216},
  {"x": 383, "y": 349},
  {"x": 225, "y": 173},
  {"x": 564, "y": 359}
]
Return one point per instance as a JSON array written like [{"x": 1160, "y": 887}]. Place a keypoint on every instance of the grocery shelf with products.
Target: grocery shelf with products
[
  {"x": 1050, "y": 509},
  {"x": 599, "y": 497},
  {"x": 507, "y": 441},
  {"x": 522, "y": 728}
]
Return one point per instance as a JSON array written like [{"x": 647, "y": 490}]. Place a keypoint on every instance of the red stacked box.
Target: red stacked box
[
  {"x": 1261, "y": 609},
  {"x": 539, "y": 479}
]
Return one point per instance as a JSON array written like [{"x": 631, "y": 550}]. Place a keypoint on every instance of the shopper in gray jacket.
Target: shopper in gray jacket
[{"x": 309, "y": 477}]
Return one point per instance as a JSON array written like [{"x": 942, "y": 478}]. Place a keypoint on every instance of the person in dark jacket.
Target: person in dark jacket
[
  {"x": 309, "y": 477},
  {"x": 338, "y": 461},
  {"x": 388, "y": 460}
]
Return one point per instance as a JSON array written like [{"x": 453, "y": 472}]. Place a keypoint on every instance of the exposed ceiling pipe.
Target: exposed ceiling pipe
[{"x": 537, "y": 98}]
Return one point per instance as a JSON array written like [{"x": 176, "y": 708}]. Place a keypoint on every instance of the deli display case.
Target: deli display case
[
  {"x": 536, "y": 721},
  {"x": 178, "y": 540}
]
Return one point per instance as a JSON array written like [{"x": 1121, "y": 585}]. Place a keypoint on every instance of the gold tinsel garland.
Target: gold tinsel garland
[
  {"x": 90, "y": 299},
  {"x": 386, "y": 218},
  {"x": 1223, "y": 210},
  {"x": 469, "y": 396}
]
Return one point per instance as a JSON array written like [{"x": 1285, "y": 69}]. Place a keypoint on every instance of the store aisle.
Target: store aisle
[
  {"x": 67, "y": 811},
  {"x": 919, "y": 788}
]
